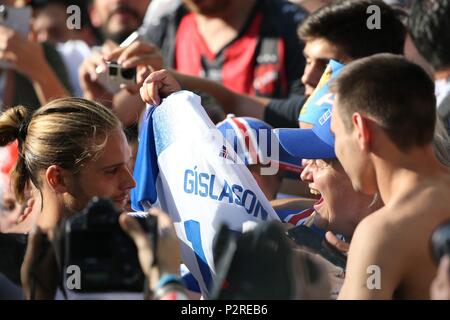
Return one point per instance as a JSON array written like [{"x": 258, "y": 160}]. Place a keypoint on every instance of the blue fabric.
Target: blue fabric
[
  {"x": 318, "y": 142},
  {"x": 146, "y": 167},
  {"x": 321, "y": 100},
  {"x": 190, "y": 283}
]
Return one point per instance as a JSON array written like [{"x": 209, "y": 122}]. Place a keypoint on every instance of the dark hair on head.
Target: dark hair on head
[
  {"x": 396, "y": 93},
  {"x": 344, "y": 24},
  {"x": 429, "y": 26}
]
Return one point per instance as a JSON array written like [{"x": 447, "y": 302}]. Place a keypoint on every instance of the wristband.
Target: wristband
[{"x": 169, "y": 278}]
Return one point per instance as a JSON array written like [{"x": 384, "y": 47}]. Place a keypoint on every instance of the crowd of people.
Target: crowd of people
[{"x": 359, "y": 112}]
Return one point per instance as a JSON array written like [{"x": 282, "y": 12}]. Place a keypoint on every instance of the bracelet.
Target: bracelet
[
  {"x": 169, "y": 278},
  {"x": 171, "y": 291}
]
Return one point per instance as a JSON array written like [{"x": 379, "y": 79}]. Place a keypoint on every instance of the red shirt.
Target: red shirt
[{"x": 235, "y": 65}]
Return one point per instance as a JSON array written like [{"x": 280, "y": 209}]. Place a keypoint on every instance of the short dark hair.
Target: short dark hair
[
  {"x": 429, "y": 24},
  {"x": 344, "y": 24},
  {"x": 396, "y": 93}
]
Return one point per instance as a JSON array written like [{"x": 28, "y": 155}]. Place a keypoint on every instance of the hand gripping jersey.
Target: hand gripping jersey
[{"x": 185, "y": 166}]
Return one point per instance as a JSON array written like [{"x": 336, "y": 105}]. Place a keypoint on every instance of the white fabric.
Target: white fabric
[
  {"x": 443, "y": 101},
  {"x": 73, "y": 53},
  {"x": 200, "y": 183},
  {"x": 156, "y": 10}
]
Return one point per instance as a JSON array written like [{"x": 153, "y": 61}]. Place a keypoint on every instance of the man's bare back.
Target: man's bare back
[{"x": 393, "y": 244}]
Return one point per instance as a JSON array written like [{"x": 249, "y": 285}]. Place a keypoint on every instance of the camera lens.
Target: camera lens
[
  {"x": 113, "y": 71},
  {"x": 129, "y": 74}
]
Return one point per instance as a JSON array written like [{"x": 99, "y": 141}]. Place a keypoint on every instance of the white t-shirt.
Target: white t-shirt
[
  {"x": 443, "y": 100},
  {"x": 73, "y": 53}
]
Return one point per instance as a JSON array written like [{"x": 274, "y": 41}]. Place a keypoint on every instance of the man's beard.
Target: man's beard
[
  {"x": 117, "y": 37},
  {"x": 120, "y": 36}
]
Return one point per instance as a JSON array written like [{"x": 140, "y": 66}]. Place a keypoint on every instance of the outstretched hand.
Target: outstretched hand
[{"x": 336, "y": 243}]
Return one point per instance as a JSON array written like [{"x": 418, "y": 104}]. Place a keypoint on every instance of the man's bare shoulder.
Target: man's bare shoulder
[
  {"x": 375, "y": 226},
  {"x": 372, "y": 246}
]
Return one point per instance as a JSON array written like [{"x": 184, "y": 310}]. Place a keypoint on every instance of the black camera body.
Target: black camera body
[
  {"x": 106, "y": 256},
  {"x": 304, "y": 236}
]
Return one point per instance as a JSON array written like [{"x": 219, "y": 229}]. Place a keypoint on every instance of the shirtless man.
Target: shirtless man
[{"x": 384, "y": 142}]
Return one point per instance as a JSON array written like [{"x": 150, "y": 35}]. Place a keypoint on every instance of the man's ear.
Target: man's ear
[
  {"x": 55, "y": 178},
  {"x": 363, "y": 130}
]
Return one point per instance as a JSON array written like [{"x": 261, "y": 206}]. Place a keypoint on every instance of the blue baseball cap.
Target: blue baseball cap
[
  {"x": 318, "y": 142},
  {"x": 244, "y": 133},
  {"x": 321, "y": 99},
  {"x": 315, "y": 143}
]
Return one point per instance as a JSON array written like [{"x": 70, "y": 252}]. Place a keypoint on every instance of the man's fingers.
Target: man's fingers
[
  {"x": 114, "y": 55},
  {"x": 153, "y": 90},
  {"x": 135, "y": 49},
  {"x": 163, "y": 218},
  {"x": 144, "y": 96},
  {"x": 159, "y": 75},
  {"x": 153, "y": 60},
  {"x": 335, "y": 242},
  {"x": 444, "y": 268},
  {"x": 140, "y": 239},
  {"x": 142, "y": 74},
  {"x": 108, "y": 47},
  {"x": 149, "y": 94},
  {"x": 134, "y": 230}
]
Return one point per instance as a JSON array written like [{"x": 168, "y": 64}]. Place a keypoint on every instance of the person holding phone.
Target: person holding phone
[{"x": 31, "y": 73}]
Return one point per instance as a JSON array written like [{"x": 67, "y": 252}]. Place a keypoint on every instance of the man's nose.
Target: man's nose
[
  {"x": 128, "y": 180},
  {"x": 306, "y": 174},
  {"x": 311, "y": 76}
]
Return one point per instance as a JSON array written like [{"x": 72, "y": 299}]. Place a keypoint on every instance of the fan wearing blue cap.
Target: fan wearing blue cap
[
  {"x": 244, "y": 134},
  {"x": 339, "y": 208}
]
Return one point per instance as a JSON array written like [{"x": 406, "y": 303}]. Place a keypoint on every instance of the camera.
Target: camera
[
  {"x": 106, "y": 256},
  {"x": 304, "y": 236},
  {"x": 115, "y": 75},
  {"x": 440, "y": 241}
]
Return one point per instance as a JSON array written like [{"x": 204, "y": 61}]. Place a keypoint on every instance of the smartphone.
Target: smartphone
[
  {"x": 17, "y": 19},
  {"x": 304, "y": 236}
]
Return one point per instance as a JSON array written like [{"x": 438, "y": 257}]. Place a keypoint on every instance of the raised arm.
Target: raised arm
[
  {"x": 146, "y": 57},
  {"x": 28, "y": 58},
  {"x": 232, "y": 102}
]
